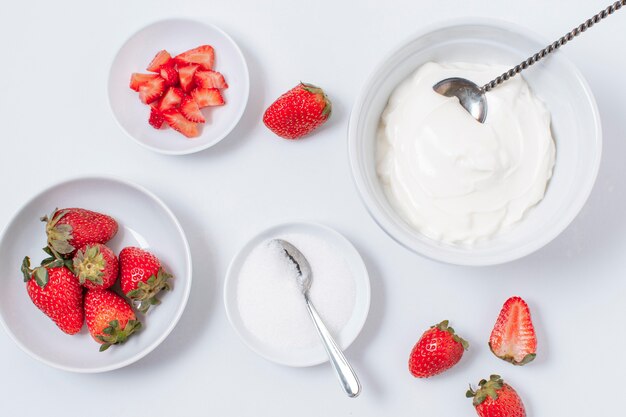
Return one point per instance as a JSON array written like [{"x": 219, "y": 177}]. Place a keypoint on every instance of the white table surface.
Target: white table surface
[{"x": 57, "y": 124}]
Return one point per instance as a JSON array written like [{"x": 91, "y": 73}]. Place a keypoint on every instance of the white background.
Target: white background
[{"x": 56, "y": 124}]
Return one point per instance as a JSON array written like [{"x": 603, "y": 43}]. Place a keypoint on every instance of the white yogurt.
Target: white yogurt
[{"x": 452, "y": 178}]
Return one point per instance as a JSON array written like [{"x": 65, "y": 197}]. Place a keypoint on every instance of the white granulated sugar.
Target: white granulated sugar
[{"x": 271, "y": 305}]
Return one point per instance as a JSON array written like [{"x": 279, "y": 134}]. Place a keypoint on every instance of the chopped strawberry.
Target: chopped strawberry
[
  {"x": 151, "y": 90},
  {"x": 206, "y": 97},
  {"x": 209, "y": 79},
  {"x": 169, "y": 74},
  {"x": 161, "y": 58},
  {"x": 171, "y": 99},
  {"x": 185, "y": 73},
  {"x": 189, "y": 108},
  {"x": 202, "y": 55},
  {"x": 156, "y": 117},
  {"x": 178, "y": 122},
  {"x": 137, "y": 80}
]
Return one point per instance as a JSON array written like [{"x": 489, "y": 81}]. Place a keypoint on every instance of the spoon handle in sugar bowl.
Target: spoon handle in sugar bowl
[{"x": 347, "y": 377}]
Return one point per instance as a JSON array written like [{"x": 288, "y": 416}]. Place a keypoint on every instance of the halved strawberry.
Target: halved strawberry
[
  {"x": 513, "y": 336},
  {"x": 156, "y": 117},
  {"x": 171, "y": 99},
  {"x": 151, "y": 90},
  {"x": 186, "y": 73},
  {"x": 189, "y": 108},
  {"x": 209, "y": 79},
  {"x": 169, "y": 74},
  {"x": 178, "y": 122},
  {"x": 161, "y": 58},
  {"x": 137, "y": 80},
  {"x": 206, "y": 97},
  {"x": 202, "y": 55}
]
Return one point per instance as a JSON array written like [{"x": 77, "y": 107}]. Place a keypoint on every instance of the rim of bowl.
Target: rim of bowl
[
  {"x": 467, "y": 259},
  {"x": 227, "y": 131},
  {"x": 236, "y": 259},
  {"x": 179, "y": 311}
]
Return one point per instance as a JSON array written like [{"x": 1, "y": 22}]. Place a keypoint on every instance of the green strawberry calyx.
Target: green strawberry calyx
[
  {"x": 443, "y": 326},
  {"x": 486, "y": 389},
  {"x": 40, "y": 273},
  {"x": 59, "y": 235},
  {"x": 89, "y": 265},
  {"x": 313, "y": 89},
  {"x": 113, "y": 335},
  {"x": 145, "y": 295}
]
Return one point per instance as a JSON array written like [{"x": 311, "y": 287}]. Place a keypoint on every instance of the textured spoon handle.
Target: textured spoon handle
[{"x": 554, "y": 46}]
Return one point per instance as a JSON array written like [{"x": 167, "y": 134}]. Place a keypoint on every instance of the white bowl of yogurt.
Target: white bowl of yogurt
[{"x": 454, "y": 190}]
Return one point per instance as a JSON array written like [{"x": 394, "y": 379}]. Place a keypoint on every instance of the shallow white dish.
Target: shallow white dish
[
  {"x": 555, "y": 80},
  {"x": 144, "y": 221},
  {"x": 176, "y": 36},
  {"x": 305, "y": 356}
]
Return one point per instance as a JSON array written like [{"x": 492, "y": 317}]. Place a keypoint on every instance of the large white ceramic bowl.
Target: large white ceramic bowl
[
  {"x": 555, "y": 80},
  {"x": 144, "y": 221}
]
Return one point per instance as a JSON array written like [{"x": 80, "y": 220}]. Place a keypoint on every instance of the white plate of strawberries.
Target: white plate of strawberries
[
  {"x": 178, "y": 86},
  {"x": 110, "y": 284}
]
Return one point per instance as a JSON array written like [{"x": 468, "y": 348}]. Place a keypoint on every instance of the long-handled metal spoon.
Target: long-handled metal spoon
[
  {"x": 347, "y": 377},
  {"x": 472, "y": 97}
]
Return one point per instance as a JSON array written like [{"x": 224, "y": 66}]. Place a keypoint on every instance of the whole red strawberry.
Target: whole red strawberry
[
  {"x": 142, "y": 277},
  {"x": 95, "y": 266},
  {"x": 298, "y": 112},
  {"x": 110, "y": 319},
  {"x": 513, "y": 336},
  {"x": 57, "y": 293},
  {"x": 495, "y": 398},
  {"x": 72, "y": 228},
  {"x": 438, "y": 350}
]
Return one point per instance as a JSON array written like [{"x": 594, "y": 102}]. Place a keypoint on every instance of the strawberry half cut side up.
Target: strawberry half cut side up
[{"x": 513, "y": 337}]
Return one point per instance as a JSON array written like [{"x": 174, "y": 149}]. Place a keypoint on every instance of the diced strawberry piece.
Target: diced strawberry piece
[
  {"x": 206, "y": 97},
  {"x": 169, "y": 74},
  {"x": 189, "y": 108},
  {"x": 156, "y": 117},
  {"x": 209, "y": 79},
  {"x": 171, "y": 99},
  {"x": 137, "y": 80},
  {"x": 185, "y": 73},
  {"x": 161, "y": 58},
  {"x": 202, "y": 55},
  {"x": 151, "y": 90},
  {"x": 178, "y": 122}
]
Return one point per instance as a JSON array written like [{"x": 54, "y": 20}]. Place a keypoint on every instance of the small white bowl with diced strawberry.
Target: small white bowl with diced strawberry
[{"x": 183, "y": 96}]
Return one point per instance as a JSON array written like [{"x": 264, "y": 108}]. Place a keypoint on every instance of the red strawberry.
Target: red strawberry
[
  {"x": 438, "y": 350},
  {"x": 298, "y": 112},
  {"x": 178, "y": 122},
  {"x": 151, "y": 90},
  {"x": 156, "y": 117},
  {"x": 72, "y": 228},
  {"x": 110, "y": 319},
  {"x": 189, "y": 108},
  {"x": 142, "y": 277},
  {"x": 202, "y": 55},
  {"x": 171, "y": 99},
  {"x": 57, "y": 293},
  {"x": 186, "y": 73},
  {"x": 95, "y": 266},
  {"x": 206, "y": 97},
  {"x": 161, "y": 58},
  {"x": 209, "y": 79},
  {"x": 513, "y": 336},
  {"x": 495, "y": 398},
  {"x": 169, "y": 74},
  {"x": 137, "y": 80}
]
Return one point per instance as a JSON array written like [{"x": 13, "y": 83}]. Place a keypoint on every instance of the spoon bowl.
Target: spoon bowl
[{"x": 470, "y": 95}]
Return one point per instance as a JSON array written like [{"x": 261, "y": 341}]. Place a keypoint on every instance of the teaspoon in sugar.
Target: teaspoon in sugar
[
  {"x": 472, "y": 97},
  {"x": 347, "y": 377}
]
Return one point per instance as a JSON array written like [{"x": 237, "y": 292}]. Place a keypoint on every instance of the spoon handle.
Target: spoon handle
[
  {"x": 554, "y": 46},
  {"x": 347, "y": 377}
]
